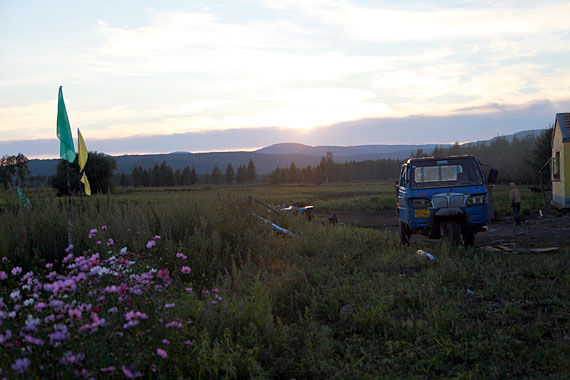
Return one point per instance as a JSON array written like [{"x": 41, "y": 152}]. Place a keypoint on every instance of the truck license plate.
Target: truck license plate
[{"x": 421, "y": 213}]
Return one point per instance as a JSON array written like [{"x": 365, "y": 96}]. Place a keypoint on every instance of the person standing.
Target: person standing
[{"x": 515, "y": 197}]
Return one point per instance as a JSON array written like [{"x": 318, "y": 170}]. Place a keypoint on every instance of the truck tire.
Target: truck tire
[
  {"x": 404, "y": 234},
  {"x": 451, "y": 229}
]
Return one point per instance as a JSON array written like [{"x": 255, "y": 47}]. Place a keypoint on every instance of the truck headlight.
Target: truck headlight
[
  {"x": 421, "y": 203},
  {"x": 477, "y": 200}
]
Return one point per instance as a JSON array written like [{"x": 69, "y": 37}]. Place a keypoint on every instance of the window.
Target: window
[
  {"x": 450, "y": 172},
  {"x": 556, "y": 167}
]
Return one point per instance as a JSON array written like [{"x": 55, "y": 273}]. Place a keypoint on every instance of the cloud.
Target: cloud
[
  {"x": 471, "y": 124},
  {"x": 396, "y": 24}
]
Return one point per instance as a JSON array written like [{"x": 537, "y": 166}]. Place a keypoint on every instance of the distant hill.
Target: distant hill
[
  {"x": 265, "y": 159},
  {"x": 344, "y": 151}
]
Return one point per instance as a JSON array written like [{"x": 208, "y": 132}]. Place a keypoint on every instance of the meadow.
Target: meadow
[{"x": 186, "y": 283}]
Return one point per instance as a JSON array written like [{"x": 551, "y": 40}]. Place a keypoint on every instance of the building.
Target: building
[{"x": 560, "y": 161}]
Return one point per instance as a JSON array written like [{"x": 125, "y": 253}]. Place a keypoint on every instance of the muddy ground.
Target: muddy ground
[{"x": 552, "y": 229}]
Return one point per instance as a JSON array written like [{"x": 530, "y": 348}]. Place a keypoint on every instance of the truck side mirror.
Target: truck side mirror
[{"x": 493, "y": 173}]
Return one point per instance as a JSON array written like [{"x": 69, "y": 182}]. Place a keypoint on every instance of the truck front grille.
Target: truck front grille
[
  {"x": 456, "y": 201},
  {"x": 439, "y": 202}
]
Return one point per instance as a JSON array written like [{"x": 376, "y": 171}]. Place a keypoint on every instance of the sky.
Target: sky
[{"x": 229, "y": 75}]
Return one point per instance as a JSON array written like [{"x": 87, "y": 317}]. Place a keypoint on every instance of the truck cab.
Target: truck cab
[{"x": 443, "y": 197}]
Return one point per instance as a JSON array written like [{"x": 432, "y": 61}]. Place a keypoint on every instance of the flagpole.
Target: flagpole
[{"x": 70, "y": 219}]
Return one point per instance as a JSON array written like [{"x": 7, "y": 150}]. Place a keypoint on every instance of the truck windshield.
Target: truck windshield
[{"x": 445, "y": 173}]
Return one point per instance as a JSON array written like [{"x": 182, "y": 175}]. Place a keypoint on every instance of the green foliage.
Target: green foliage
[
  {"x": 230, "y": 175},
  {"x": 216, "y": 176},
  {"x": 517, "y": 160},
  {"x": 329, "y": 171},
  {"x": 13, "y": 169},
  {"x": 99, "y": 170},
  {"x": 241, "y": 176},
  {"x": 251, "y": 172}
]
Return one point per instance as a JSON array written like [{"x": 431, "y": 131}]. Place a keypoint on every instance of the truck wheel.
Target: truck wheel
[
  {"x": 451, "y": 229},
  {"x": 468, "y": 238},
  {"x": 404, "y": 233}
]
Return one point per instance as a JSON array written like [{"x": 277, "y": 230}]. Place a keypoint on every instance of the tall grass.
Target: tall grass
[{"x": 335, "y": 302}]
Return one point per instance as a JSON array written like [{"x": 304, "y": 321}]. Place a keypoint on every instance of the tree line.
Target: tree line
[
  {"x": 518, "y": 160},
  {"x": 329, "y": 171},
  {"x": 164, "y": 175}
]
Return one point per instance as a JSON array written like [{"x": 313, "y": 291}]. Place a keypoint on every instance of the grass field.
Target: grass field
[{"x": 185, "y": 283}]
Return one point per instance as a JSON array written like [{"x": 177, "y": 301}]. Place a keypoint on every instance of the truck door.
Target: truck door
[{"x": 402, "y": 194}]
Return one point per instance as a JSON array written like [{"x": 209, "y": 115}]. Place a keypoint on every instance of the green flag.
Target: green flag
[
  {"x": 22, "y": 199},
  {"x": 66, "y": 150}
]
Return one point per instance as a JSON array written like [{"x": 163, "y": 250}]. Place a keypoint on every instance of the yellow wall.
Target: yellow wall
[
  {"x": 561, "y": 189},
  {"x": 565, "y": 168}
]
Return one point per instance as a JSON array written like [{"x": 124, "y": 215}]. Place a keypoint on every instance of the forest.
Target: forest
[{"x": 518, "y": 160}]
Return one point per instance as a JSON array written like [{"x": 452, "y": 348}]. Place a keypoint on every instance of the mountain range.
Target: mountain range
[{"x": 266, "y": 159}]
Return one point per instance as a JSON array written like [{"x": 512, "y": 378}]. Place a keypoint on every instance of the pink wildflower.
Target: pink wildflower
[
  {"x": 58, "y": 336},
  {"x": 122, "y": 289},
  {"x": 3, "y": 275},
  {"x": 70, "y": 358},
  {"x": 103, "y": 228},
  {"x": 4, "y": 259},
  {"x": 108, "y": 369},
  {"x": 75, "y": 314},
  {"x": 98, "y": 242},
  {"x": 131, "y": 323},
  {"x": 92, "y": 232},
  {"x": 33, "y": 340},
  {"x": 156, "y": 237},
  {"x": 163, "y": 273},
  {"x": 68, "y": 257},
  {"x": 186, "y": 270},
  {"x": 49, "y": 265},
  {"x": 69, "y": 248},
  {"x": 188, "y": 342},
  {"x": 129, "y": 374},
  {"x": 169, "y": 305},
  {"x": 161, "y": 353},
  {"x": 150, "y": 244},
  {"x": 181, "y": 256},
  {"x": 176, "y": 324},
  {"x": 21, "y": 365},
  {"x": 16, "y": 271},
  {"x": 111, "y": 289},
  {"x": 165, "y": 341},
  {"x": 110, "y": 242},
  {"x": 6, "y": 337}
]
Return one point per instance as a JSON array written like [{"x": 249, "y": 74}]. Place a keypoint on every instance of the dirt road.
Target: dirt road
[{"x": 550, "y": 229}]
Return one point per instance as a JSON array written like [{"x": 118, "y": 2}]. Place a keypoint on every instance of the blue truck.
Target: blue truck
[{"x": 443, "y": 197}]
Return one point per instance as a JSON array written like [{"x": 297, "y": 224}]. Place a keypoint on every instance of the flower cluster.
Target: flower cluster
[{"x": 45, "y": 318}]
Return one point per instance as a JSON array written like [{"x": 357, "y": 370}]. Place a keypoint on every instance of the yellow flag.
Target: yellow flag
[
  {"x": 82, "y": 149},
  {"x": 86, "y": 183}
]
